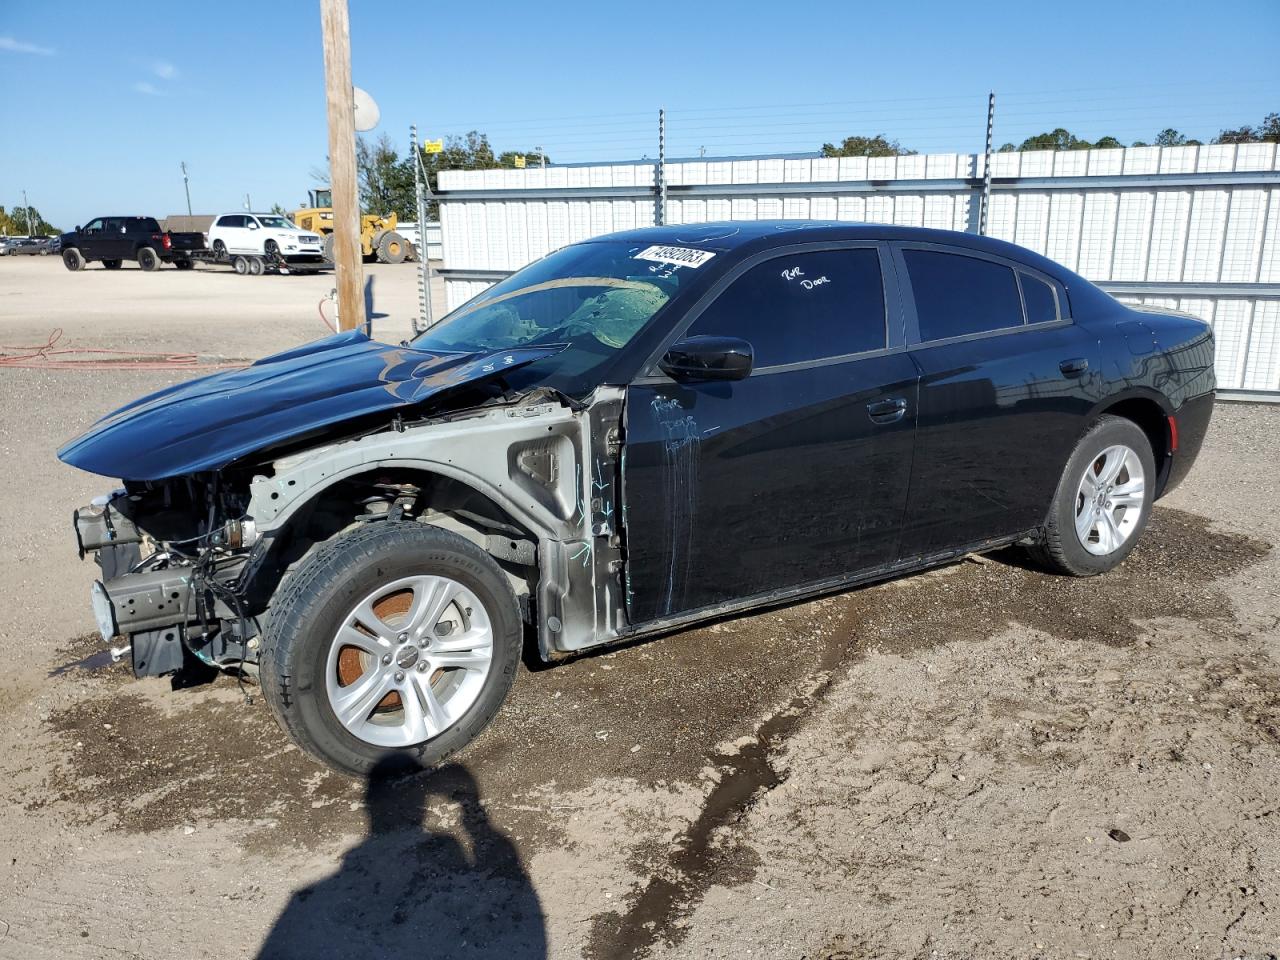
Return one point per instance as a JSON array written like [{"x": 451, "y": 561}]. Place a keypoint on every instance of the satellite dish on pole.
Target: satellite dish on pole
[{"x": 367, "y": 115}]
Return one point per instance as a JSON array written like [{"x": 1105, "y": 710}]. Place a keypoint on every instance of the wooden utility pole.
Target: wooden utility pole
[{"x": 347, "y": 262}]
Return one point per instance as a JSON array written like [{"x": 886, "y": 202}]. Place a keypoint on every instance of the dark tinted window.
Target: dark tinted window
[
  {"x": 1042, "y": 305},
  {"x": 142, "y": 225},
  {"x": 808, "y": 306},
  {"x": 957, "y": 295},
  {"x": 231, "y": 221}
]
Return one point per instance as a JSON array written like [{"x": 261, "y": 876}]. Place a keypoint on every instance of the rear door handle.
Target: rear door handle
[
  {"x": 1073, "y": 367},
  {"x": 887, "y": 411}
]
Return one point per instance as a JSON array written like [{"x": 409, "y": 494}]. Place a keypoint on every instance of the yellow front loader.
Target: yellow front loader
[{"x": 378, "y": 238}]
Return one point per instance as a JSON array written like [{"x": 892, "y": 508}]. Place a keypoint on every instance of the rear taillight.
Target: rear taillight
[{"x": 167, "y": 242}]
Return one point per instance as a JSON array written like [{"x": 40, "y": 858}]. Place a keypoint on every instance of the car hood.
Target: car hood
[{"x": 207, "y": 423}]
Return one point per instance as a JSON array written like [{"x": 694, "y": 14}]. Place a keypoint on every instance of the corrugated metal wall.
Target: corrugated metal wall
[{"x": 1193, "y": 228}]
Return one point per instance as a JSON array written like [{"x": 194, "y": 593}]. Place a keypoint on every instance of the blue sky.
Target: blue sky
[{"x": 102, "y": 101}]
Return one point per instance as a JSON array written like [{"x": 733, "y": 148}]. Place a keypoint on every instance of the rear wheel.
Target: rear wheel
[
  {"x": 219, "y": 250},
  {"x": 240, "y": 265},
  {"x": 256, "y": 266},
  {"x": 183, "y": 264},
  {"x": 112, "y": 264},
  {"x": 328, "y": 248},
  {"x": 72, "y": 259},
  {"x": 1103, "y": 501},
  {"x": 396, "y": 640},
  {"x": 148, "y": 259},
  {"x": 392, "y": 248}
]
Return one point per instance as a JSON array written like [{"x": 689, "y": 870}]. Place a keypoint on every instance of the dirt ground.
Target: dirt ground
[{"x": 981, "y": 761}]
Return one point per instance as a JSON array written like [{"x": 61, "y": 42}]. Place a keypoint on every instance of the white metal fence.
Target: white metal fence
[{"x": 1193, "y": 228}]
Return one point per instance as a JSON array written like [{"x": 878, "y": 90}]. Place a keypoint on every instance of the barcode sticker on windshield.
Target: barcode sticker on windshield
[{"x": 680, "y": 256}]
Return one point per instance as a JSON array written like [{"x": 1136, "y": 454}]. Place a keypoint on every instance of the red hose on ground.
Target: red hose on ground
[{"x": 45, "y": 356}]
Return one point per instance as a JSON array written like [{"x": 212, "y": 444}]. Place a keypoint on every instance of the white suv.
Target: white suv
[{"x": 263, "y": 234}]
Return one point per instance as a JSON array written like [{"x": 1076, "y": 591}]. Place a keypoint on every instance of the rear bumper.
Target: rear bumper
[{"x": 1192, "y": 424}]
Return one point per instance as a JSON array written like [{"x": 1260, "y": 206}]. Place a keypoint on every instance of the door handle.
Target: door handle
[
  {"x": 1074, "y": 367},
  {"x": 887, "y": 411}
]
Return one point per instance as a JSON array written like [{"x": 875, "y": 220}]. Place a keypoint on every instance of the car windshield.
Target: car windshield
[
  {"x": 592, "y": 298},
  {"x": 278, "y": 223}
]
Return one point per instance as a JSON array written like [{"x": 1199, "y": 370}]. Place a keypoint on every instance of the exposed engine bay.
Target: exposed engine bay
[{"x": 189, "y": 564}]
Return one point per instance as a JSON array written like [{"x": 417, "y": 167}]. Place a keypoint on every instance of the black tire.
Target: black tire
[
  {"x": 240, "y": 265},
  {"x": 72, "y": 259},
  {"x": 1060, "y": 548},
  {"x": 315, "y": 597},
  {"x": 148, "y": 259},
  {"x": 112, "y": 264},
  {"x": 219, "y": 250},
  {"x": 328, "y": 247},
  {"x": 271, "y": 249},
  {"x": 184, "y": 264},
  {"x": 392, "y": 247}
]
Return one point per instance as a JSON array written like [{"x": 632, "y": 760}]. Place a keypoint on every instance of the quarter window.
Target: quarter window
[
  {"x": 1041, "y": 301},
  {"x": 809, "y": 306},
  {"x": 957, "y": 295}
]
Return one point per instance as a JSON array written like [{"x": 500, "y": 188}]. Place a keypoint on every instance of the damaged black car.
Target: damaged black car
[{"x": 634, "y": 434}]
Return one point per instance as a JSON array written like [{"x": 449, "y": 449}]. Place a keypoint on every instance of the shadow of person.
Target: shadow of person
[{"x": 408, "y": 891}]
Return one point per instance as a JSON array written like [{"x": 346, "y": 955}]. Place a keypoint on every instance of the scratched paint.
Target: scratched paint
[{"x": 681, "y": 438}]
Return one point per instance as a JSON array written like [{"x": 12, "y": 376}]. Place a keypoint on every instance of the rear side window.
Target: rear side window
[
  {"x": 957, "y": 295},
  {"x": 1040, "y": 298},
  {"x": 231, "y": 221},
  {"x": 809, "y": 306}
]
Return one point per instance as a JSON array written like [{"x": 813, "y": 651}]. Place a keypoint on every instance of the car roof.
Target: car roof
[{"x": 751, "y": 236}]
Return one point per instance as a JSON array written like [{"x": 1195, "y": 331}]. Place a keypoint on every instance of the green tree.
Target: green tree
[
  {"x": 15, "y": 223},
  {"x": 386, "y": 181},
  {"x": 877, "y": 146},
  {"x": 1268, "y": 132},
  {"x": 1107, "y": 143}
]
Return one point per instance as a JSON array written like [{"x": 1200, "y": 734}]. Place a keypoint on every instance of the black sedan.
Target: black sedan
[{"x": 635, "y": 433}]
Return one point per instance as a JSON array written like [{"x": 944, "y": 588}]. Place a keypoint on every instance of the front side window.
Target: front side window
[
  {"x": 803, "y": 307},
  {"x": 957, "y": 295},
  {"x": 590, "y": 298},
  {"x": 94, "y": 226}
]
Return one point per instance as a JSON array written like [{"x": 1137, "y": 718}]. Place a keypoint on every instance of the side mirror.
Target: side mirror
[
  {"x": 697, "y": 359},
  {"x": 253, "y": 225},
  {"x": 78, "y": 228}
]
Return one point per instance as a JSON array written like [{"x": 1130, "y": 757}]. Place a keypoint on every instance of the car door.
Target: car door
[
  {"x": 794, "y": 475},
  {"x": 90, "y": 238},
  {"x": 116, "y": 242},
  {"x": 231, "y": 231},
  {"x": 1006, "y": 380}
]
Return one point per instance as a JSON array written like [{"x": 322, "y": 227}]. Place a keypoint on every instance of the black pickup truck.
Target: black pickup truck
[{"x": 114, "y": 240}]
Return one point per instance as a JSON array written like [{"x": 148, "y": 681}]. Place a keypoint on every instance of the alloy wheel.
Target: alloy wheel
[
  {"x": 1110, "y": 500},
  {"x": 409, "y": 660}
]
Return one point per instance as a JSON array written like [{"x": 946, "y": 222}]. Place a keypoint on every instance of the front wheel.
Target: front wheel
[
  {"x": 397, "y": 640},
  {"x": 1103, "y": 501},
  {"x": 391, "y": 248}
]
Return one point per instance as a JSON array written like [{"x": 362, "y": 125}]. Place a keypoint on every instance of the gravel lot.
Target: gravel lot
[{"x": 981, "y": 761}]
